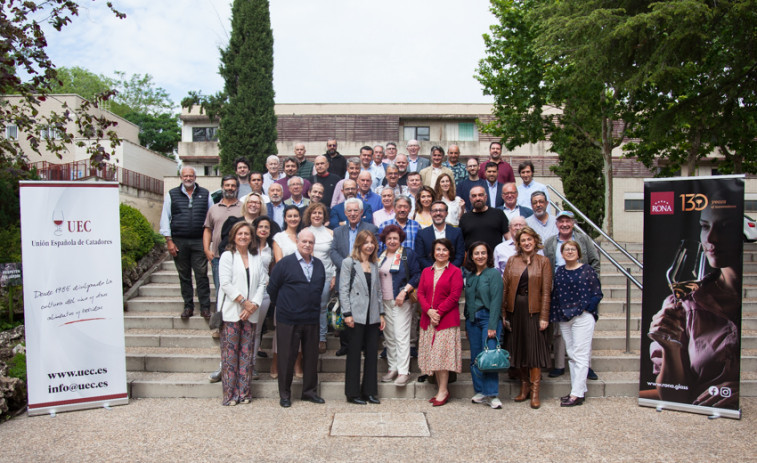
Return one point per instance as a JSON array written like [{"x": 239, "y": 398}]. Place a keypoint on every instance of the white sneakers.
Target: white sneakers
[
  {"x": 493, "y": 402},
  {"x": 402, "y": 380},
  {"x": 478, "y": 399},
  {"x": 389, "y": 377}
]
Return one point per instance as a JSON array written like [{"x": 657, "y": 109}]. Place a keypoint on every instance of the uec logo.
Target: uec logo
[{"x": 79, "y": 226}]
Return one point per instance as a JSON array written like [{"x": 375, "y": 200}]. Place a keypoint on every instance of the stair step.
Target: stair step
[{"x": 331, "y": 386}]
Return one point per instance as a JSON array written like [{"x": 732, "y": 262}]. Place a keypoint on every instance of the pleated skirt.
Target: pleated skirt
[{"x": 528, "y": 346}]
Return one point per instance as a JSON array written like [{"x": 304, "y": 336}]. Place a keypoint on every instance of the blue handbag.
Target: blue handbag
[{"x": 493, "y": 360}]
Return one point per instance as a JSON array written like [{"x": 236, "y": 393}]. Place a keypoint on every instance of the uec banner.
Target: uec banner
[
  {"x": 691, "y": 305},
  {"x": 73, "y": 299}
]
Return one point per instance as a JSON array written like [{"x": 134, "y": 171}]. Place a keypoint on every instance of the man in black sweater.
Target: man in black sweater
[{"x": 296, "y": 284}]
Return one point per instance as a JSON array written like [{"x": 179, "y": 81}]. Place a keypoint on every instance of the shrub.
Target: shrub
[
  {"x": 17, "y": 366},
  {"x": 10, "y": 243},
  {"x": 137, "y": 237}
]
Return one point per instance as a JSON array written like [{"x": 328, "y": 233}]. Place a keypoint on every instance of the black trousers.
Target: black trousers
[
  {"x": 289, "y": 338},
  {"x": 191, "y": 258},
  {"x": 362, "y": 337}
]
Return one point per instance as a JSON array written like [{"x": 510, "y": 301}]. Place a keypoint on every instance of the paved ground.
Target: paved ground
[{"x": 166, "y": 430}]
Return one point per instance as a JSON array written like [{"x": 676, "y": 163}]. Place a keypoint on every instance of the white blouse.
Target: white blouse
[
  {"x": 285, "y": 243},
  {"x": 453, "y": 210},
  {"x": 323, "y": 239}
]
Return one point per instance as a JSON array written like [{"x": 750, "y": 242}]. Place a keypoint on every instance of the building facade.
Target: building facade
[{"x": 358, "y": 124}]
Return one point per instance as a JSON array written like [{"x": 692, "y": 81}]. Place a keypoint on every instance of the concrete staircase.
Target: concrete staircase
[{"x": 170, "y": 357}]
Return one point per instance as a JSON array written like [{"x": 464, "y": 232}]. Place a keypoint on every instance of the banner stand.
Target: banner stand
[
  {"x": 73, "y": 296},
  {"x": 711, "y": 412},
  {"x": 691, "y": 310}
]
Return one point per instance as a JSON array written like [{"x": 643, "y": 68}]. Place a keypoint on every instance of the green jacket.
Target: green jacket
[{"x": 488, "y": 286}]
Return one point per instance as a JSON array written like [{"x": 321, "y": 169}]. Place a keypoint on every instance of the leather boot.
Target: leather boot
[
  {"x": 525, "y": 385},
  {"x": 535, "y": 384}
]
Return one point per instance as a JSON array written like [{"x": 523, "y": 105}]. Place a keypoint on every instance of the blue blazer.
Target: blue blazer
[
  {"x": 337, "y": 215},
  {"x": 423, "y": 245},
  {"x": 399, "y": 277},
  {"x": 524, "y": 212}
]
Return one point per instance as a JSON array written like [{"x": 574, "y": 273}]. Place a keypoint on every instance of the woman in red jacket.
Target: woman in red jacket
[{"x": 439, "y": 295}]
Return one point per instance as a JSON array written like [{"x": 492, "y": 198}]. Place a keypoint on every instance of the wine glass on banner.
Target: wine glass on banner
[
  {"x": 58, "y": 221},
  {"x": 684, "y": 276}
]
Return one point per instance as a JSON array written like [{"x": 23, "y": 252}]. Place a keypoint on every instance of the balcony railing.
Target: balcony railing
[{"x": 80, "y": 170}]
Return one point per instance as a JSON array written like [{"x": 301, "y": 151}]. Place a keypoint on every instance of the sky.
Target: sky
[{"x": 325, "y": 51}]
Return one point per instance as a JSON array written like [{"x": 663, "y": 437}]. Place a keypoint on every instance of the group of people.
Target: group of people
[{"x": 399, "y": 238}]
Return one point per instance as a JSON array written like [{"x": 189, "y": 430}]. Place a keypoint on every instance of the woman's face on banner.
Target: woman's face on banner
[{"x": 718, "y": 243}]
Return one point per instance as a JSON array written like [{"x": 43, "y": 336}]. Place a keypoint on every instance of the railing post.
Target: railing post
[{"x": 628, "y": 313}]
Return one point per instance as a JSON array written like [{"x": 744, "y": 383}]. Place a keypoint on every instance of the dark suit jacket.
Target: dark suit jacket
[
  {"x": 423, "y": 245},
  {"x": 298, "y": 301},
  {"x": 500, "y": 200},
  {"x": 340, "y": 245},
  {"x": 337, "y": 215},
  {"x": 423, "y": 162},
  {"x": 524, "y": 212}
]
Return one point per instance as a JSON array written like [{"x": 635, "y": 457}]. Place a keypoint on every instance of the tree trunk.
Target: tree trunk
[
  {"x": 693, "y": 155},
  {"x": 607, "y": 173}
]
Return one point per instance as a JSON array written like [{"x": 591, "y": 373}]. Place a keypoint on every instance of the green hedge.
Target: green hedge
[{"x": 137, "y": 237}]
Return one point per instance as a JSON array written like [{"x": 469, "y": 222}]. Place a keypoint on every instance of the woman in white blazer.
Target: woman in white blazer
[
  {"x": 363, "y": 312},
  {"x": 243, "y": 278}
]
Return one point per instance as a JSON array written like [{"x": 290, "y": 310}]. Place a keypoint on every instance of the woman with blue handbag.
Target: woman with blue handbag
[{"x": 483, "y": 303}]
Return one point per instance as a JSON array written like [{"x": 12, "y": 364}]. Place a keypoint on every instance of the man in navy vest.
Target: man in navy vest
[{"x": 182, "y": 224}]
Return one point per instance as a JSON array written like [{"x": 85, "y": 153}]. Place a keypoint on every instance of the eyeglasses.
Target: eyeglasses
[
  {"x": 331, "y": 145},
  {"x": 434, "y": 211}
]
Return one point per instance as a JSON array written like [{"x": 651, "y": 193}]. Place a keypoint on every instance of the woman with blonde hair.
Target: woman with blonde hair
[
  {"x": 526, "y": 301},
  {"x": 360, "y": 298}
]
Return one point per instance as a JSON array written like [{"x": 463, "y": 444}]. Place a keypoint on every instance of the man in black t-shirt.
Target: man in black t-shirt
[{"x": 483, "y": 223}]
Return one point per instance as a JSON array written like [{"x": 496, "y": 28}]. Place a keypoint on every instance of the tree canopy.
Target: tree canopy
[
  {"x": 136, "y": 99},
  {"x": 679, "y": 76},
  {"x": 27, "y": 71}
]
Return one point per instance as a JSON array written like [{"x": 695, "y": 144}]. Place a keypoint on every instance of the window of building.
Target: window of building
[
  {"x": 420, "y": 133},
  {"x": 11, "y": 131},
  {"x": 204, "y": 133},
  {"x": 633, "y": 202},
  {"x": 750, "y": 202},
  {"x": 210, "y": 171},
  {"x": 49, "y": 132},
  {"x": 466, "y": 131}
]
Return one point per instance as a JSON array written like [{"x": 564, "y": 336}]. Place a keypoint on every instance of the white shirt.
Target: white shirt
[
  {"x": 268, "y": 180},
  {"x": 493, "y": 193},
  {"x": 502, "y": 253},
  {"x": 525, "y": 191}
]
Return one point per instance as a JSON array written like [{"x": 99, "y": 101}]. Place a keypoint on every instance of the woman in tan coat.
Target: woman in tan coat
[{"x": 527, "y": 287}]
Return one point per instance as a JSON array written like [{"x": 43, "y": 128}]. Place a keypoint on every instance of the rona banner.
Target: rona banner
[
  {"x": 73, "y": 296},
  {"x": 691, "y": 303}
]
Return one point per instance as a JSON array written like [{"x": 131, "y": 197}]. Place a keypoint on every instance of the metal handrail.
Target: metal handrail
[
  {"x": 588, "y": 220},
  {"x": 602, "y": 251},
  {"x": 625, "y": 271}
]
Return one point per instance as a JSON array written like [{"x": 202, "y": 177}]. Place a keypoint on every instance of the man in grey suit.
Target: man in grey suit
[
  {"x": 565, "y": 222},
  {"x": 341, "y": 246},
  {"x": 415, "y": 163}
]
